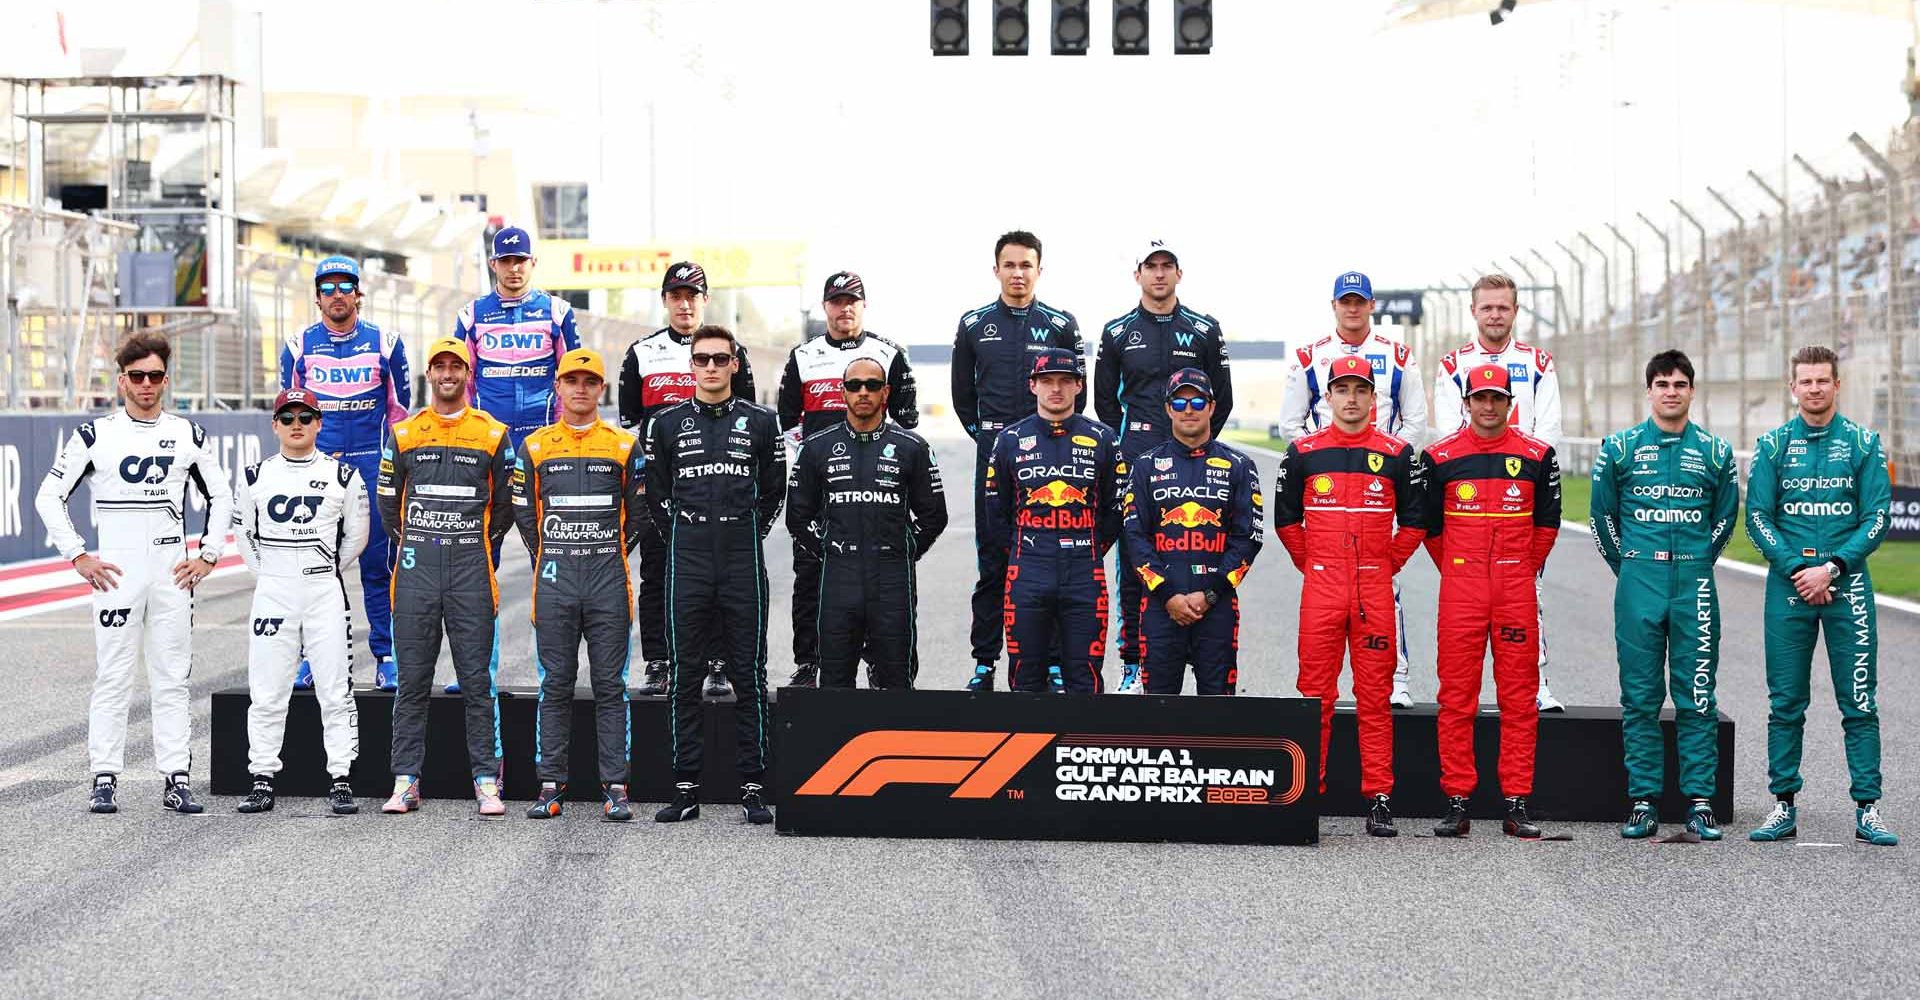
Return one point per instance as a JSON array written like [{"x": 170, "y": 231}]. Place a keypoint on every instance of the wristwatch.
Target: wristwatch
[
  {"x": 210, "y": 558},
  {"x": 1833, "y": 570}
]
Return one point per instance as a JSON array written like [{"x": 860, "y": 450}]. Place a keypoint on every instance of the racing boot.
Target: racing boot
[
  {"x": 1455, "y": 823},
  {"x": 982, "y": 679},
  {"x": 1518, "y": 823},
  {"x": 340, "y": 798},
  {"x": 1700, "y": 821},
  {"x": 303, "y": 678},
  {"x": 547, "y": 805},
  {"x": 1868, "y": 827},
  {"x": 1545, "y": 699},
  {"x": 260, "y": 799},
  {"x": 406, "y": 794},
  {"x": 655, "y": 682},
  {"x": 754, "y": 804},
  {"x": 1129, "y": 680},
  {"x": 614, "y": 807},
  {"x": 805, "y": 675},
  {"x": 104, "y": 787},
  {"x": 1380, "y": 819},
  {"x": 685, "y": 804},
  {"x": 1401, "y": 697},
  {"x": 453, "y": 686},
  {"x": 717, "y": 688},
  {"x": 1781, "y": 824},
  {"x": 385, "y": 676},
  {"x": 486, "y": 795},
  {"x": 179, "y": 795},
  {"x": 1643, "y": 821},
  {"x": 1056, "y": 681}
]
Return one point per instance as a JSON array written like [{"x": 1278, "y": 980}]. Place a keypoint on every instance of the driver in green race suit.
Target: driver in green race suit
[
  {"x": 1817, "y": 499},
  {"x": 1665, "y": 501}
]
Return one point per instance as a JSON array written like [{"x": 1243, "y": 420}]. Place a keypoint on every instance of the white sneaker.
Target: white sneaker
[
  {"x": 1546, "y": 701},
  {"x": 1401, "y": 697},
  {"x": 1129, "y": 680}
]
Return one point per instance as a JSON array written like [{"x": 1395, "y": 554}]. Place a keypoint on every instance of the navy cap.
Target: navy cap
[
  {"x": 843, "y": 283},
  {"x": 1055, "y": 361},
  {"x": 336, "y": 266},
  {"x": 1190, "y": 378},
  {"x": 1353, "y": 283},
  {"x": 684, "y": 274},
  {"x": 511, "y": 242}
]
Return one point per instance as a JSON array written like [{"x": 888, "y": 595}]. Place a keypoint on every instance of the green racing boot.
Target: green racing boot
[
  {"x": 1868, "y": 827},
  {"x": 1643, "y": 821},
  {"x": 1700, "y": 821},
  {"x": 1780, "y": 824}
]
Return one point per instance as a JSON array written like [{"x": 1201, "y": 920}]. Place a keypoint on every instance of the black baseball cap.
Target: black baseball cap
[
  {"x": 684, "y": 274},
  {"x": 843, "y": 283}
]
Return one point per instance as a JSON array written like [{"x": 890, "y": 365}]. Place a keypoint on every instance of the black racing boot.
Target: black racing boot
[
  {"x": 718, "y": 687},
  {"x": 340, "y": 798},
  {"x": 805, "y": 675},
  {"x": 547, "y": 804},
  {"x": 179, "y": 795},
  {"x": 260, "y": 799},
  {"x": 1380, "y": 819},
  {"x": 615, "y": 808},
  {"x": 658, "y": 673},
  {"x": 104, "y": 787},
  {"x": 754, "y": 804},
  {"x": 1518, "y": 823},
  {"x": 685, "y": 804},
  {"x": 1455, "y": 823},
  {"x": 982, "y": 679}
]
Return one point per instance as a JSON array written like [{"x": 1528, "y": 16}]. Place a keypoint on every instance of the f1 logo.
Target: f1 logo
[{"x": 979, "y": 763}]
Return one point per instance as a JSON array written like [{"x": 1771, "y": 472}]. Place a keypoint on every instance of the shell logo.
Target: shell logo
[
  {"x": 1323, "y": 485},
  {"x": 1466, "y": 491}
]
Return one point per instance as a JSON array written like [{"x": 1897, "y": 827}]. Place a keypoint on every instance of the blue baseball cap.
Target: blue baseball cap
[
  {"x": 1190, "y": 378},
  {"x": 1055, "y": 361},
  {"x": 1353, "y": 283},
  {"x": 511, "y": 242},
  {"x": 335, "y": 266}
]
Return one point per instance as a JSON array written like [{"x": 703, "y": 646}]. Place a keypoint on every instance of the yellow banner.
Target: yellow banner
[{"x": 576, "y": 264}]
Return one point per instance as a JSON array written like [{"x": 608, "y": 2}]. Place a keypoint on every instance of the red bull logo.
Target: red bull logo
[
  {"x": 1191, "y": 541},
  {"x": 1057, "y": 494},
  {"x": 1191, "y": 515}
]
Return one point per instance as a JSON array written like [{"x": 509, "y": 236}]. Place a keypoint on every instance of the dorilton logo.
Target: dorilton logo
[{"x": 979, "y": 764}]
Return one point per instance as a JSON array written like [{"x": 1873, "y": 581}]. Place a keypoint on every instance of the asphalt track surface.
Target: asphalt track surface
[{"x": 441, "y": 903}]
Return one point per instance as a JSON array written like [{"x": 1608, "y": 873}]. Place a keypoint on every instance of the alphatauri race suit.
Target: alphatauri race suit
[
  {"x": 993, "y": 349},
  {"x": 1493, "y": 514},
  {"x": 869, "y": 505},
  {"x": 1664, "y": 506},
  {"x": 445, "y": 494},
  {"x": 361, "y": 384},
  {"x": 1193, "y": 522},
  {"x": 1138, "y": 353},
  {"x": 1819, "y": 496},
  {"x": 299, "y": 522},
  {"x": 579, "y": 500},
  {"x": 716, "y": 476},
  {"x": 1399, "y": 409},
  {"x": 1351, "y": 510},
  {"x": 656, "y": 374},
  {"x": 1053, "y": 504},
  {"x": 811, "y": 400},
  {"x": 138, "y": 472},
  {"x": 515, "y": 344}
]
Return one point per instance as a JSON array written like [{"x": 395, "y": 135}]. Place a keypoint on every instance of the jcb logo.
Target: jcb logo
[
  {"x": 267, "y": 626},
  {"x": 114, "y": 617},
  {"x": 145, "y": 469},
  {"x": 299, "y": 510},
  {"x": 979, "y": 763}
]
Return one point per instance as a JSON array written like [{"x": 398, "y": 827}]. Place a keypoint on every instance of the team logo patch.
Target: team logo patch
[
  {"x": 1027, "y": 443},
  {"x": 1162, "y": 464},
  {"x": 1219, "y": 463},
  {"x": 1323, "y": 485},
  {"x": 1513, "y": 466},
  {"x": 1374, "y": 462},
  {"x": 1466, "y": 491},
  {"x": 740, "y": 424},
  {"x": 1082, "y": 439}
]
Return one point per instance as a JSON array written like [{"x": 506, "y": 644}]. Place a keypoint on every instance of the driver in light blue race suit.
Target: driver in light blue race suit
[{"x": 358, "y": 376}]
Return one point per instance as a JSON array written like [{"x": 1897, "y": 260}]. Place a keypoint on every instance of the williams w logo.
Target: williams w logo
[
  {"x": 1037, "y": 332},
  {"x": 267, "y": 626},
  {"x": 1184, "y": 338},
  {"x": 114, "y": 617},
  {"x": 980, "y": 764}
]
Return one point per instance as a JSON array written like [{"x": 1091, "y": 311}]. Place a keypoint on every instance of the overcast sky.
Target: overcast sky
[{"x": 1315, "y": 138}]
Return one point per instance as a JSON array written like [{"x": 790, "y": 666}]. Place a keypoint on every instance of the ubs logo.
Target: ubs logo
[
  {"x": 299, "y": 510},
  {"x": 145, "y": 469}
]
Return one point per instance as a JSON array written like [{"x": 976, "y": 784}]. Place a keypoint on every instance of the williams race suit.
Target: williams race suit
[
  {"x": 138, "y": 472},
  {"x": 1351, "y": 510},
  {"x": 1193, "y": 523},
  {"x": 515, "y": 345},
  {"x": 1138, "y": 353},
  {"x": 656, "y": 374},
  {"x": 579, "y": 500},
  {"x": 811, "y": 401},
  {"x": 1664, "y": 506},
  {"x": 868, "y": 505},
  {"x": 1493, "y": 514},
  {"x": 445, "y": 496},
  {"x": 299, "y": 522},
  {"x": 716, "y": 476},
  {"x": 361, "y": 384},
  {"x": 1819, "y": 496},
  {"x": 1053, "y": 503},
  {"x": 993, "y": 349}
]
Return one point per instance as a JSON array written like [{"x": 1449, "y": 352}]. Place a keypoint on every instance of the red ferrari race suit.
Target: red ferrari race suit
[
  {"x": 1337, "y": 500},
  {"x": 1493, "y": 513}
]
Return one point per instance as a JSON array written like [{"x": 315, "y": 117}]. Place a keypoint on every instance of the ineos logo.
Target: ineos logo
[
  {"x": 145, "y": 469},
  {"x": 299, "y": 510}
]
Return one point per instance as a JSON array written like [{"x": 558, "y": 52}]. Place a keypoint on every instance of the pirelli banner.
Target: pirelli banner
[
  {"x": 1047, "y": 767},
  {"x": 582, "y": 264}
]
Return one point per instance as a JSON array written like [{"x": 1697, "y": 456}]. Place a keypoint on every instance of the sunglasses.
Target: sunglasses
[
  {"x": 305, "y": 417},
  {"x": 337, "y": 288},
  {"x": 720, "y": 360},
  {"x": 1182, "y": 404},
  {"x": 140, "y": 376},
  {"x": 865, "y": 384}
]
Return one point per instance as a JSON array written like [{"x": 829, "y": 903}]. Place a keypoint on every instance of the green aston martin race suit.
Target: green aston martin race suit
[
  {"x": 1663, "y": 507},
  {"x": 1819, "y": 496}
]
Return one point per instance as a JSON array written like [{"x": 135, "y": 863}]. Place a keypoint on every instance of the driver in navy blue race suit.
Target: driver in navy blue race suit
[
  {"x": 1193, "y": 524},
  {"x": 359, "y": 380},
  {"x": 1053, "y": 504},
  {"x": 1138, "y": 353}
]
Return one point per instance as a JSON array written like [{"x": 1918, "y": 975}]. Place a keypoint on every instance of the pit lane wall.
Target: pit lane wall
[{"x": 30, "y": 443}]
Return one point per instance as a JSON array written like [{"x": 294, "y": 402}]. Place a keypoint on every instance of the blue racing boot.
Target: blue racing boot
[
  {"x": 303, "y": 680},
  {"x": 385, "y": 676},
  {"x": 1868, "y": 827},
  {"x": 1056, "y": 682},
  {"x": 982, "y": 679},
  {"x": 1129, "y": 679},
  {"x": 1780, "y": 824}
]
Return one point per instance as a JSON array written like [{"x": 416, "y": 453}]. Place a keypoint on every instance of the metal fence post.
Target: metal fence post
[
  {"x": 1740, "y": 238},
  {"x": 1896, "y": 376},
  {"x": 1705, "y": 292},
  {"x": 1786, "y": 314}
]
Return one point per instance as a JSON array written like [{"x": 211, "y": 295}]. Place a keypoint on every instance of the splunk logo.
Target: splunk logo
[{"x": 979, "y": 764}]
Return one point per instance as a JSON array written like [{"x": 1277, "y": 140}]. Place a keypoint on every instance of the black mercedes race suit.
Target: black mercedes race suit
[
  {"x": 656, "y": 374},
  {"x": 446, "y": 501},
  {"x": 1138, "y": 353},
  {"x": 579, "y": 500},
  {"x": 993, "y": 349},
  {"x": 811, "y": 401},
  {"x": 868, "y": 505},
  {"x": 716, "y": 476}
]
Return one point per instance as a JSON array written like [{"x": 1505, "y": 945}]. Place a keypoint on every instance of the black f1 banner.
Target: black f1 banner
[
  {"x": 1903, "y": 521},
  {"x": 1047, "y": 767},
  {"x": 1404, "y": 307}
]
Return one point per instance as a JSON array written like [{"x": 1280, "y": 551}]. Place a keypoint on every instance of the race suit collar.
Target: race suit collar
[
  {"x": 1480, "y": 346},
  {"x": 520, "y": 300},
  {"x": 873, "y": 435},
  {"x": 720, "y": 409}
]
